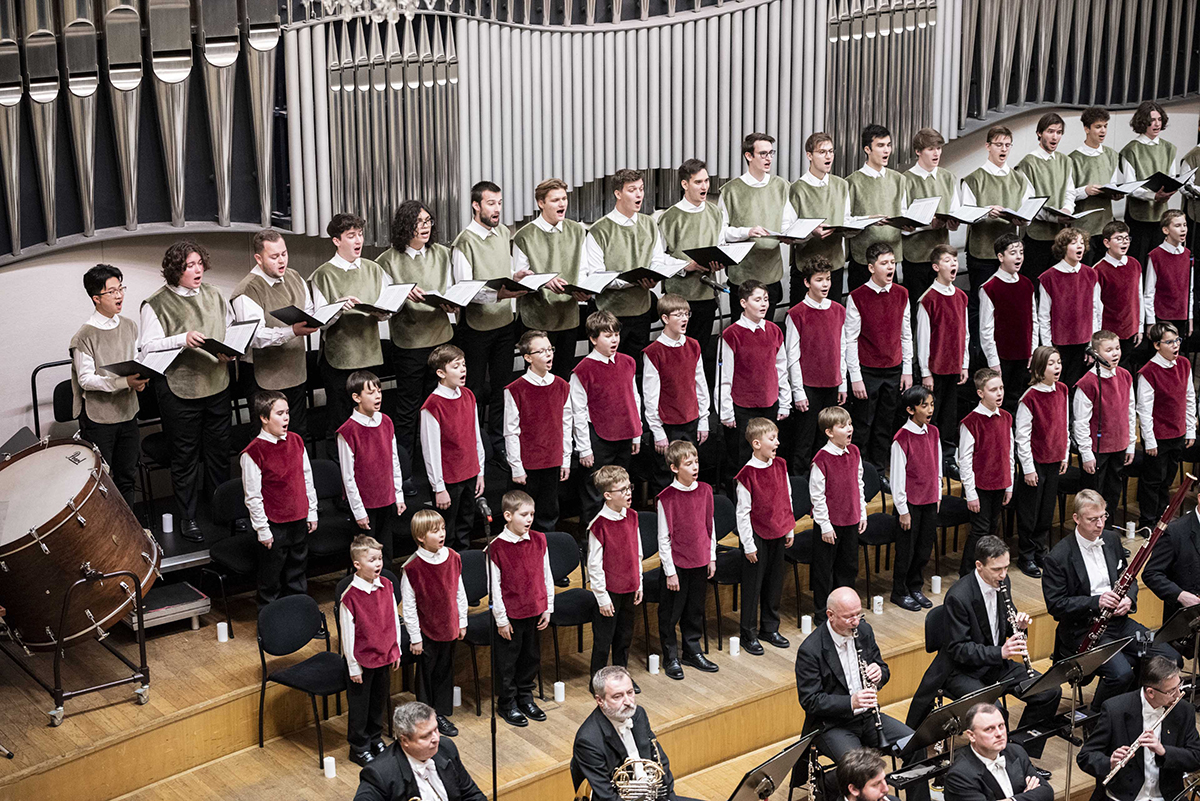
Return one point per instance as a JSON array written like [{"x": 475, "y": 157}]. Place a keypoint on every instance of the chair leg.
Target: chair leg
[
  {"x": 262, "y": 699},
  {"x": 938, "y": 544},
  {"x": 320, "y": 739},
  {"x": 717, "y": 598},
  {"x": 580, "y": 631},
  {"x": 796, "y": 580},
  {"x": 475, "y": 670},
  {"x": 541, "y": 687},
  {"x": 646, "y": 625},
  {"x": 554, "y": 633},
  {"x": 867, "y": 558},
  {"x": 704, "y": 617}
]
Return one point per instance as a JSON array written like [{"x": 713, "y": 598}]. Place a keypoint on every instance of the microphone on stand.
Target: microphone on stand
[
  {"x": 715, "y": 284},
  {"x": 481, "y": 505}
]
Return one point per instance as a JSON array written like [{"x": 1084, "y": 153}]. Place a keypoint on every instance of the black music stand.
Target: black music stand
[
  {"x": 759, "y": 783},
  {"x": 1181, "y": 626},
  {"x": 1189, "y": 791},
  {"x": 945, "y": 722}
]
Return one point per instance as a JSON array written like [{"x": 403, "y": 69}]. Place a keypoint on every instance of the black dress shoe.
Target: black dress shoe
[
  {"x": 906, "y": 602},
  {"x": 378, "y": 747},
  {"x": 361, "y": 758},
  {"x": 1030, "y": 568},
  {"x": 752, "y": 647},
  {"x": 191, "y": 532},
  {"x": 674, "y": 670},
  {"x": 920, "y": 598},
  {"x": 774, "y": 638},
  {"x": 700, "y": 662},
  {"x": 531, "y": 711},
  {"x": 513, "y": 717},
  {"x": 446, "y": 728},
  {"x": 636, "y": 689}
]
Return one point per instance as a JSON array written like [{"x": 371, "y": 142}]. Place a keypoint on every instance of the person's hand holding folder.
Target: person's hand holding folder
[{"x": 136, "y": 382}]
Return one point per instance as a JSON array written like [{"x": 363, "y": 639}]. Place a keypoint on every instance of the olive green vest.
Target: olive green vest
[
  {"x": 1052, "y": 179},
  {"x": 684, "y": 230},
  {"x": 489, "y": 258},
  {"x": 992, "y": 190},
  {"x": 1147, "y": 160},
  {"x": 625, "y": 247},
  {"x": 281, "y": 367},
  {"x": 419, "y": 325},
  {"x": 551, "y": 253},
  {"x": 1192, "y": 207},
  {"x": 870, "y": 196},
  {"x": 1096, "y": 170},
  {"x": 821, "y": 202},
  {"x": 748, "y": 206},
  {"x": 919, "y": 246},
  {"x": 195, "y": 373},
  {"x": 351, "y": 343},
  {"x": 109, "y": 346}
]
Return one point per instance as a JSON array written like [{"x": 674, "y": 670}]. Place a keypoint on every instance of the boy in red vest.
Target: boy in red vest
[
  {"x": 537, "y": 428},
  {"x": 278, "y": 484},
  {"x": 605, "y": 405},
  {"x": 1044, "y": 451},
  {"x": 753, "y": 380},
  {"x": 1070, "y": 308},
  {"x": 1120, "y": 279},
  {"x": 879, "y": 352},
  {"x": 371, "y": 476},
  {"x": 434, "y": 604},
  {"x": 1007, "y": 339},
  {"x": 614, "y": 566},
  {"x": 522, "y": 595},
  {"x": 1105, "y": 437},
  {"x": 916, "y": 473},
  {"x": 839, "y": 506},
  {"x": 1166, "y": 405},
  {"x": 674, "y": 387},
  {"x": 815, "y": 340},
  {"x": 765, "y": 526},
  {"x": 452, "y": 445},
  {"x": 1169, "y": 276},
  {"x": 371, "y": 644},
  {"x": 943, "y": 342},
  {"x": 985, "y": 460},
  {"x": 687, "y": 548}
]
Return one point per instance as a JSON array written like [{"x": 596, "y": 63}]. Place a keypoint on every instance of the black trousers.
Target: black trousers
[
  {"x": 338, "y": 403},
  {"x": 119, "y": 444},
  {"x": 945, "y": 411},
  {"x": 1143, "y": 238},
  {"x": 542, "y": 486},
  {"x": 740, "y": 450},
  {"x": 489, "y": 370},
  {"x": 414, "y": 383},
  {"x": 564, "y": 343},
  {"x": 1039, "y": 709},
  {"x": 198, "y": 430},
  {"x": 762, "y": 588},
  {"x": 807, "y": 436},
  {"x": 979, "y": 271},
  {"x": 367, "y": 705},
  {"x": 460, "y": 517},
  {"x": 774, "y": 298},
  {"x": 619, "y": 452},
  {"x": 1117, "y": 675},
  {"x": 1073, "y": 366},
  {"x": 635, "y": 334},
  {"x": 1039, "y": 257},
  {"x": 858, "y": 732},
  {"x": 875, "y": 417},
  {"x": 1015, "y": 375},
  {"x": 282, "y": 567},
  {"x": 683, "y": 608},
  {"x": 384, "y": 521},
  {"x": 983, "y": 522},
  {"x": 1035, "y": 511},
  {"x": 1109, "y": 479},
  {"x": 613, "y": 634},
  {"x": 437, "y": 675},
  {"x": 700, "y": 328},
  {"x": 833, "y": 565},
  {"x": 913, "y": 548},
  {"x": 517, "y": 663},
  {"x": 688, "y": 432},
  {"x": 1154, "y": 488}
]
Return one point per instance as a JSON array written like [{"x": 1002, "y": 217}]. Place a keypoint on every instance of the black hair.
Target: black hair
[{"x": 95, "y": 278}]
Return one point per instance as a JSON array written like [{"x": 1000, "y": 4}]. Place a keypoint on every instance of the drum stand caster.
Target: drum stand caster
[
  {"x": 143, "y": 695},
  {"x": 56, "y": 716}
]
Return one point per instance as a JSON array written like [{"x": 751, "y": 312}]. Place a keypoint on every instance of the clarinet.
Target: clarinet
[
  {"x": 1011, "y": 611},
  {"x": 868, "y": 684}
]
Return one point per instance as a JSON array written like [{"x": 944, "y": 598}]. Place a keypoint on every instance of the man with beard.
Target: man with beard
[
  {"x": 862, "y": 776},
  {"x": 993, "y": 768}
]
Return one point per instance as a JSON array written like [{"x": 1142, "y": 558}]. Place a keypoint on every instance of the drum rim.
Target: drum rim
[{"x": 89, "y": 488}]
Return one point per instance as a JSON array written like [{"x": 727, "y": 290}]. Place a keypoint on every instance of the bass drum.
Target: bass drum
[{"x": 60, "y": 513}]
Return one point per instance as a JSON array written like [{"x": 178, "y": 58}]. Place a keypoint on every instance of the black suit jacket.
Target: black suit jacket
[
  {"x": 969, "y": 780},
  {"x": 599, "y": 751},
  {"x": 389, "y": 777},
  {"x": 1120, "y": 724},
  {"x": 821, "y": 682},
  {"x": 1068, "y": 592},
  {"x": 1174, "y": 564},
  {"x": 968, "y": 636}
]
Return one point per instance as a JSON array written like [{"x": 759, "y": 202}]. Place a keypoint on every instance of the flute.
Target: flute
[{"x": 1132, "y": 751}]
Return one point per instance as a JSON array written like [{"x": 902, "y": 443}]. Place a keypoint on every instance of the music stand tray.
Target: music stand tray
[
  {"x": 946, "y": 721},
  {"x": 770, "y": 775},
  {"x": 1072, "y": 669},
  {"x": 1181, "y": 625}
]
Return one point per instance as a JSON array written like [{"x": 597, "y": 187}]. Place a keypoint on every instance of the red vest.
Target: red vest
[
  {"x": 456, "y": 417},
  {"x": 611, "y": 405},
  {"x": 770, "y": 508},
  {"x": 993, "y": 443},
  {"x": 372, "y": 460},
  {"x": 843, "y": 498},
  {"x": 522, "y": 574},
  {"x": 689, "y": 515},
  {"x": 882, "y": 316},
  {"x": 1170, "y": 397},
  {"x": 755, "y": 381},
  {"x": 540, "y": 410},
  {"x": 1013, "y": 317},
  {"x": 374, "y": 624},
  {"x": 436, "y": 590},
  {"x": 1120, "y": 292},
  {"x": 820, "y": 333},
  {"x": 1172, "y": 272},
  {"x": 1114, "y": 408},
  {"x": 947, "y": 330},
  {"x": 284, "y": 493},
  {"x": 619, "y": 538},
  {"x": 1072, "y": 302},
  {"x": 1048, "y": 410},
  {"x": 921, "y": 468},
  {"x": 677, "y": 403}
]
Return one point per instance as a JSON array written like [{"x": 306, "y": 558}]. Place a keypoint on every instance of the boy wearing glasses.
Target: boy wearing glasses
[
  {"x": 105, "y": 404},
  {"x": 818, "y": 194},
  {"x": 614, "y": 568},
  {"x": 1166, "y": 406}
]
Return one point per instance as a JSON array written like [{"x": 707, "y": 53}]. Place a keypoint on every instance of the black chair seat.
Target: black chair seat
[
  {"x": 650, "y": 585},
  {"x": 320, "y": 674},
  {"x": 802, "y": 547},
  {"x": 236, "y": 554},
  {"x": 882, "y": 529},
  {"x": 157, "y": 447},
  {"x": 1134, "y": 468},
  {"x": 479, "y": 629},
  {"x": 333, "y": 536},
  {"x": 574, "y": 607},
  {"x": 729, "y": 566},
  {"x": 953, "y": 513},
  {"x": 1070, "y": 482},
  {"x": 242, "y": 435}
]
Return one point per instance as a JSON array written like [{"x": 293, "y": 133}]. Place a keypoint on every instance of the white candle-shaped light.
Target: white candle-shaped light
[
  {"x": 330, "y": 768},
  {"x": 222, "y": 632},
  {"x": 457, "y": 696},
  {"x": 877, "y": 605},
  {"x": 654, "y": 664},
  {"x": 168, "y": 523},
  {"x": 806, "y": 624},
  {"x": 735, "y": 646},
  {"x": 1131, "y": 529},
  {"x": 560, "y": 692},
  {"x": 935, "y": 585}
]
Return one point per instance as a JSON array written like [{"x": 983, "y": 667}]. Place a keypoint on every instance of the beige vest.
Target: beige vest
[
  {"x": 281, "y": 367},
  {"x": 105, "y": 346}
]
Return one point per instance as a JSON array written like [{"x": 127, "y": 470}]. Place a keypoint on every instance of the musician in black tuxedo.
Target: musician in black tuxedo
[
  {"x": 993, "y": 768},
  {"x": 1173, "y": 570},
  {"x": 829, "y": 683},
  {"x": 1077, "y": 580},
  {"x": 419, "y": 764},
  {"x": 862, "y": 776},
  {"x": 980, "y": 641},
  {"x": 1135, "y": 719}
]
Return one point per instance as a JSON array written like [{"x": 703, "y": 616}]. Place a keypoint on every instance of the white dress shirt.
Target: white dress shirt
[
  {"x": 1142, "y": 193},
  {"x": 899, "y": 468},
  {"x": 1152, "y": 721},
  {"x": 347, "y": 620},
  {"x": 408, "y": 597},
  {"x": 429, "y": 783},
  {"x": 987, "y": 321},
  {"x": 595, "y": 555},
  {"x": 745, "y": 529},
  {"x": 1081, "y": 405},
  {"x": 245, "y": 310},
  {"x": 431, "y": 440},
  {"x": 462, "y": 270},
  {"x": 966, "y": 456},
  {"x": 1024, "y": 431},
  {"x": 793, "y": 348},
  {"x": 252, "y": 486},
  {"x": 853, "y": 330},
  {"x": 968, "y": 197},
  {"x": 725, "y": 389},
  {"x": 85, "y": 366},
  {"x": 346, "y": 458},
  {"x": 497, "y": 597},
  {"x": 990, "y": 602},
  {"x": 848, "y": 657},
  {"x": 580, "y": 412},
  {"x": 1150, "y": 282},
  {"x": 1095, "y": 563},
  {"x": 999, "y": 771},
  {"x": 153, "y": 338},
  {"x": 319, "y": 299},
  {"x": 512, "y": 424},
  {"x": 521, "y": 261},
  {"x": 732, "y": 234},
  {"x": 1145, "y": 406},
  {"x": 593, "y": 261},
  {"x": 664, "y": 533},
  {"x": 1122, "y": 174},
  {"x": 625, "y": 732},
  {"x": 1108, "y": 262},
  {"x": 817, "y": 490},
  {"x": 924, "y": 332},
  {"x": 1044, "y": 311},
  {"x": 652, "y": 387}
]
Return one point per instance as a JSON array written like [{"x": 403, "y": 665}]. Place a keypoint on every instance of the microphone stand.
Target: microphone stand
[
  {"x": 721, "y": 288},
  {"x": 482, "y": 507}
]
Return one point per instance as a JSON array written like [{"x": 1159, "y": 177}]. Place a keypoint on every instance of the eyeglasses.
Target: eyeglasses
[
  {"x": 542, "y": 352},
  {"x": 1169, "y": 342},
  {"x": 1099, "y": 519},
  {"x": 762, "y": 154},
  {"x": 823, "y": 151},
  {"x": 682, "y": 315},
  {"x": 424, "y": 223},
  {"x": 625, "y": 490},
  {"x": 1171, "y": 692},
  {"x": 117, "y": 290},
  {"x": 1000, "y": 145}
]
